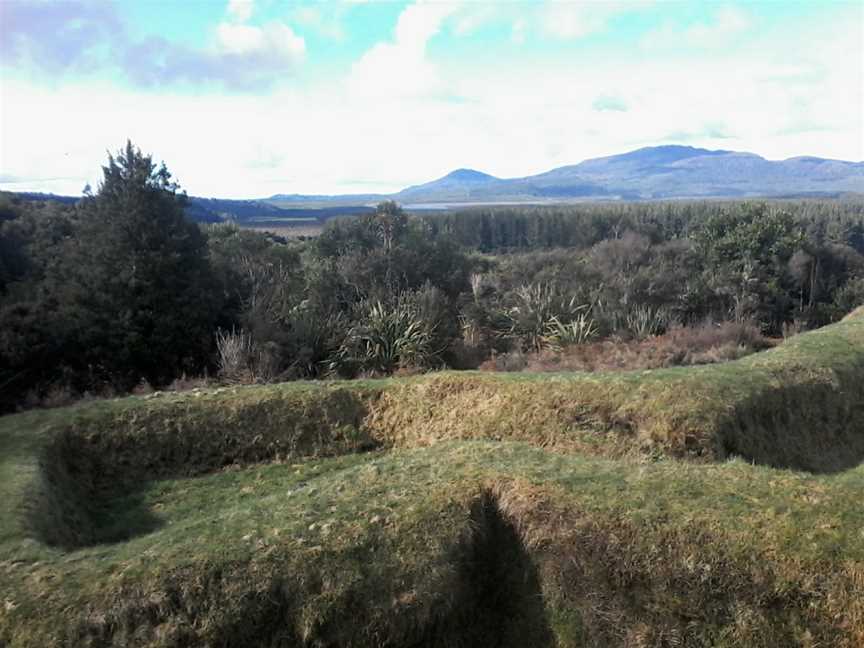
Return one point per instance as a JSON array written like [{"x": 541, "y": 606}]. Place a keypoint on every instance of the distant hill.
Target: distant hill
[
  {"x": 251, "y": 212},
  {"x": 41, "y": 197},
  {"x": 651, "y": 173},
  {"x": 459, "y": 185},
  {"x": 655, "y": 172}
]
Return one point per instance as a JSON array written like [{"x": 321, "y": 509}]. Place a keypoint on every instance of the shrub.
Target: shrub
[
  {"x": 511, "y": 361},
  {"x": 705, "y": 344},
  {"x": 646, "y": 321},
  {"x": 848, "y": 297},
  {"x": 309, "y": 337},
  {"x": 387, "y": 337},
  {"x": 242, "y": 360},
  {"x": 188, "y": 383},
  {"x": 538, "y": 307},
  {"x": 580, "y": 330}
]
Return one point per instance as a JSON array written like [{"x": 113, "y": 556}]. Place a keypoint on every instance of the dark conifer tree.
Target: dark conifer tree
[{"x": 137, "y": 283}]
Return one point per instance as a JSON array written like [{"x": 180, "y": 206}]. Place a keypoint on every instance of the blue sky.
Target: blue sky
[{"x": 251, "y": 98}]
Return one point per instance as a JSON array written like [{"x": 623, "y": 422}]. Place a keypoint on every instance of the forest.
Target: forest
[{"x": 120, "y": 292}]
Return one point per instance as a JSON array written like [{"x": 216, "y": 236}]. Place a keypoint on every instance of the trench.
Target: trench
[{"x": 497, "y": 603}]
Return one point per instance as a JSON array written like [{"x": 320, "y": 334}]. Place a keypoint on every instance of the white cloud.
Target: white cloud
[
  {"x": 568, "y": 19},
  {"x": 421, "y": 21},
  {"x": 328, "y": 24},
  {"x": 239, "y": 39},
  {"x": 727, "y": 23},
  {"x": 240, "y": 10},
  {"x": 402, "y": 128},
  {"x": 473, "y": 16},
  {"x": 93, "y": 39},
  {"x": 400, "y": 68},
  {"x": 517, "y": 33},
  {"x": 273, "y": 37}
]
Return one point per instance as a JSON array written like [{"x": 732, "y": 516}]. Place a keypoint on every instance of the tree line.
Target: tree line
[{"x": 121, "y": 288}]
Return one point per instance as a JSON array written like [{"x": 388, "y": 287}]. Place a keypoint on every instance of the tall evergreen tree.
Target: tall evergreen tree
[{"x": 137, "y": 283}]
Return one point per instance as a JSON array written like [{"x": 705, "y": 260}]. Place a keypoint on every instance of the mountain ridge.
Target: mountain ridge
[
  {"x": 669, "y": 171},
  {"x": 648, "y": 173}
]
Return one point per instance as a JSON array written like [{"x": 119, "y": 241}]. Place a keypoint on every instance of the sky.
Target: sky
[{"x": 250, "y": 98}]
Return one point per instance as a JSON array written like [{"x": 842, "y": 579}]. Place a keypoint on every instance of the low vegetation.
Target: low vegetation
[
  {"x": 680, "y": 346},
  {"x": 571, "y": 509},
  {"x": 649, "y": 465},
  {"x": 119, "y": 289}
]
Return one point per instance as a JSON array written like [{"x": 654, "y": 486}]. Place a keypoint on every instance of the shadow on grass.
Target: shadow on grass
[
  {"x": 64, "y": 510},
  {"x": 810, "y": 427},
  {"x": 501, "y": 603},
  {"x": 497, "y": 603},
  {"x": 93, "y": 470},
  {"x": 504, "y": 592},
  {"x": 123, "y": 518}
]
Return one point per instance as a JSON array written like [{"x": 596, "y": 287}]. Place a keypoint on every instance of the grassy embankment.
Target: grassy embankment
[{"x": 451, "y": 510}]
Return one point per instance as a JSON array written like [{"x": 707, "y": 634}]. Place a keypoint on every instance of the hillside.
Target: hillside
[
  {"x": 255, "y": 213},
  {"x": 659, "y": 172},
  {"x": 656, "y": 172},
  {"x": 651, "y": 508}
]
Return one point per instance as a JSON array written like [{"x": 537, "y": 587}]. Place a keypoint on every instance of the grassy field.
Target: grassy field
[{"x": 706, "y": 506}]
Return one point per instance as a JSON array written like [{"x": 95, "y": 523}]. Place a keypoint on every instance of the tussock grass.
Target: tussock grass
[
  {"x": 800, "y": 405},
  {"x": 429, "y": 510}
]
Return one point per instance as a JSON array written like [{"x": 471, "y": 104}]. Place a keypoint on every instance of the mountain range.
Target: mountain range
[{"x": 652, "y": 173}]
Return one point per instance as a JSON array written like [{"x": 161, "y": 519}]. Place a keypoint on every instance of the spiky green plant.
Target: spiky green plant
[
  {"x": 387, "y": 337},
  {"x": 643, "y": 321},
  {"x": 578, "y": 330},
  {"x": 534, "y": 309},
  {"x": 310, "y": 336}
]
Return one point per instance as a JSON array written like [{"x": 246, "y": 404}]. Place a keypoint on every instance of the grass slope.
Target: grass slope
[{"x": 433, "y": 511}]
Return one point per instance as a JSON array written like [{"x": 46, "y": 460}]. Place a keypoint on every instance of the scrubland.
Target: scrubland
[{"x": 715, "y": 505}]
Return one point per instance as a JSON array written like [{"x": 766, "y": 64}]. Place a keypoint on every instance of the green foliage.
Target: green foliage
[
  {"x": 260, "y": 275},
  {"x": 310, "y": 338},
  {"x": 262, "y": 282},
  {"x": 387, "y": 337},
  {"x": 378, "y": 255},
  {"x": 752, "y": 248},
  {"x": 119, "y": 287},
  {"x": 643, "y": 321},
  {"x": 848, "y": 297},
  {"x": 581, "y": 226},
  {"x": 449, "y": 508},
  {"x": 137, "y": 280},
  {"x": 579, "y": 330},
  {"x": 535, "y": 308}
]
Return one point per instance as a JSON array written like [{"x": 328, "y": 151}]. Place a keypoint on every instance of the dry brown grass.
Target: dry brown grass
[
  {"x": 682, "y": 346},
  {"x": 190, "y": 383},
  {"x": 858, "y": 312}
]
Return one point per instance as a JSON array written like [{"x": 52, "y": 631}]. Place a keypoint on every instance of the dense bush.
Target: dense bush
[
  {"x": 119, "y": 288},
  {"x": 681, "y": 346}
]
